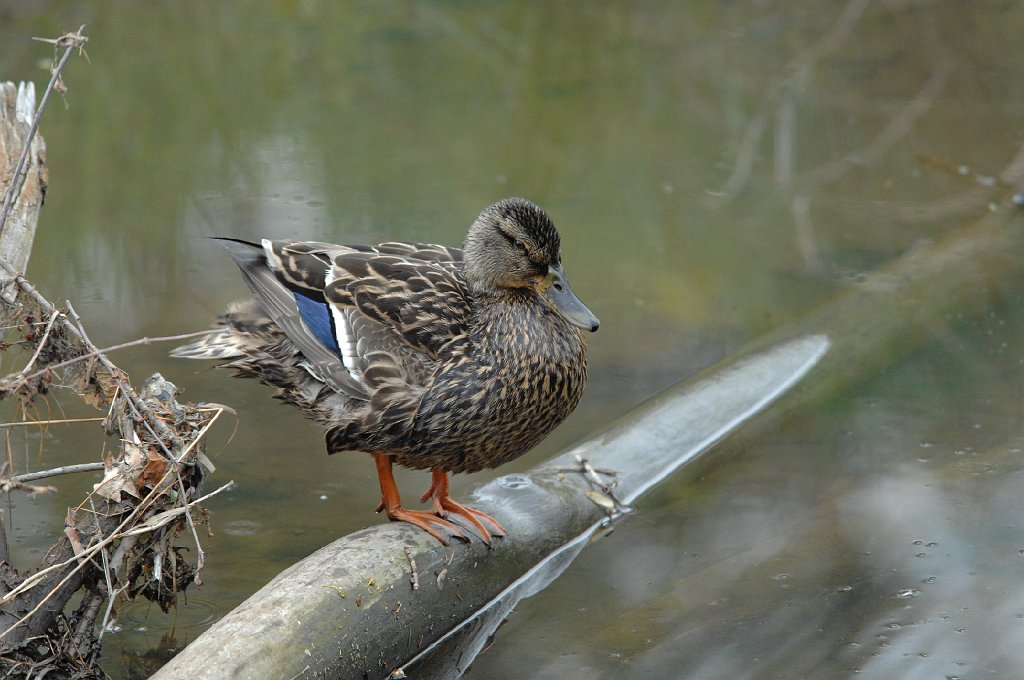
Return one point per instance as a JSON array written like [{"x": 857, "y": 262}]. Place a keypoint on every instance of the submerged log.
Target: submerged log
[{"x": 390, "y": 596}]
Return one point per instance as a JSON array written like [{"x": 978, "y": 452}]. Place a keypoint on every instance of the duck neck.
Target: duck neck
[{"x": 497, "y": 295}]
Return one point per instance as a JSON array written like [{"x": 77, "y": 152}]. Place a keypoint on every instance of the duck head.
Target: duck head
[{"x": 514, "y": 244}]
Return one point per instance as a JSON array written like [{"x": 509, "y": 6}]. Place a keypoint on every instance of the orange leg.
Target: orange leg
[
  {"x": 443, "y": 505},
  {"x": 391, "y": 503}
]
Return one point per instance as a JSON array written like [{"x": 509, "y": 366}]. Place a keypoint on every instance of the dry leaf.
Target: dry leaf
[
  {"x": 154, "y": 470},
  {"x": 118, "y": 477},
  {"x": 601, "y": 500}
]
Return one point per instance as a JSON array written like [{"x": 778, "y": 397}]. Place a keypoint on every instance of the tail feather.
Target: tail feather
[
  {"x": 279, "y": 303},
  {"x": 244, "y": 330},
  {"x": 222, "y": 344},
  {"x": 252, "y": 345}
]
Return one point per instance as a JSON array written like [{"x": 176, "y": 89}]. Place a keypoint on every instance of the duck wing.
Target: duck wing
[
  {"x": 289, "y": 288},
  {"x": 425, "y": 252},
  {"x": 366, "y": 316},
  {"x": 424, "y": 303}
]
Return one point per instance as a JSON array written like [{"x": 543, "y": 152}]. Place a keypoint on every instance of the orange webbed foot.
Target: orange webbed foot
[
  {"x": 391, "y": 503},
  {"x": 444, "y": 505},
  {"x": 424, "y": 520}
]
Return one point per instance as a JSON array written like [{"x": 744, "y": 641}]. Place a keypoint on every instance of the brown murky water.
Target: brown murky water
[{"x": 716, "y": 170}]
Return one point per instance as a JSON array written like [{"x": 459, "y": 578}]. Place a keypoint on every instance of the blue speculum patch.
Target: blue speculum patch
[{"x": 318, "y": 318}]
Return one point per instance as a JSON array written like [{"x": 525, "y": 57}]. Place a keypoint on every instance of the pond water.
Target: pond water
[{"x": 716, "y": 171}]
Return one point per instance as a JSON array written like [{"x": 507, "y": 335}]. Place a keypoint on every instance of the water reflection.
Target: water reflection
[
  {"x": 363, "y": 123},
  {"x": 452, "y": 655},
  {"x": 836, "y": 549}
]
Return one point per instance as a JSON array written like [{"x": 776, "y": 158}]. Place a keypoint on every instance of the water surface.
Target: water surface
[{"x": 715, "y": 169}]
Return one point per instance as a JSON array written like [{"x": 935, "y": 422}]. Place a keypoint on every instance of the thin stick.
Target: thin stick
[
  {"x": 42, "y": 341},
  {"x": 110, "y": 591},
  {"x": 7, "y": 485},
  {"x": 61, "y": 421},
  {"x": 74, "y": 40},
  {"x": 414, "y": 574},
  {"x": 127, "y": 544},
  {"x": 65, "y": 470},
  {"x": 162, "y": 518},
  {"x": 131, "y": 343},
  {"x": 141, "y": 410},
  {"x": 200, "y": 553}
]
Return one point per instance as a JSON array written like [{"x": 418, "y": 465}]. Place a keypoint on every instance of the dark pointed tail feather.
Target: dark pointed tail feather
[
  {"x": 221, "y": 344},
  {"x": 245, "y": 253}
]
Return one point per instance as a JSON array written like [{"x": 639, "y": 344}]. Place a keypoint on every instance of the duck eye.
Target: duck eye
[{"x": 520, "y": 244}]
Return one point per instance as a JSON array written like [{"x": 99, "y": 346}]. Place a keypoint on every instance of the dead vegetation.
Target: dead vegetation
[{"x": 124, "y": 540}]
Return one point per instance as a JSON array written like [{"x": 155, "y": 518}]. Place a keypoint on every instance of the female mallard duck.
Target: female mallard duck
[{"x": 423, "y": 355}]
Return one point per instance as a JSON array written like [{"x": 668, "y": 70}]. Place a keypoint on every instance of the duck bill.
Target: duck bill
[{"x": 557, "y": 290}]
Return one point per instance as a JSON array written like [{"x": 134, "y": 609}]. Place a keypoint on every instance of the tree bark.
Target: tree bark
[{"x": 17, "y": 107}]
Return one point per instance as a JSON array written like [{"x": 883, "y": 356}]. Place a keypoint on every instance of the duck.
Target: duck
[{"x": 424, "y": 356}]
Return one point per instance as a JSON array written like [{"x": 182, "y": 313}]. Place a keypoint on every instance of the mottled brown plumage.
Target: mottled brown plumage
[{"x": 432, "y": 357}]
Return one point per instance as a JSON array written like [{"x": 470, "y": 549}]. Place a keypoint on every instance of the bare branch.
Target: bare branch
[
  {"x": 59, "y": 421},
  {"x": 73, "y": 41},
  {"x": 64, "y": 470},
  {"x": 106, "y": 350}
]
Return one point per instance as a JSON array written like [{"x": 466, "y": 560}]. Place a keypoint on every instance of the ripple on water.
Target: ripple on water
[
  {"x": 196, "y": 613},
  {"x": 242, "y": 527},
  {"x": 975, "y": 467}
]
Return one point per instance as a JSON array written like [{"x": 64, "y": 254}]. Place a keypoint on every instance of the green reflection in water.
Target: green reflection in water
[
  {"x": 361, "y": 122},
  {"x": 877, "y": 537}
]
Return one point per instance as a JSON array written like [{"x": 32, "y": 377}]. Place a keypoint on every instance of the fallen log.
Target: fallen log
[
  {"x": 389, "y": 596},
  {"x": 359, "y": 607}
]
